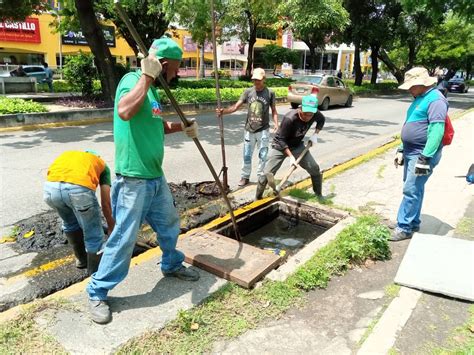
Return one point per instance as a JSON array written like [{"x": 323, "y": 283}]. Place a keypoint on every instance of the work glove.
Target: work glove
[
  {"x": 398, "y": 161},
  {"x": 422, "y": 166},
  {"x": 192, "y": 130},
  {"x": 293, "y": 161},
  {"x": 314, "y": 139},
  {"x": 151, "y": 66}
]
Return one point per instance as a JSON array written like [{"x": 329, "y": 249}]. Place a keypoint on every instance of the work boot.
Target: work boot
[
  {"x": 399, "y": 234},
  {"x": 100, "y": 311},
  {"x": 76, "y": 240},
  {"x": 243, "y": 182},
  {"x": 317, "y": 181},
  {"x": 93, "y": 261},
  {"x": 260, "y": 189},
  {"x": 183, "y": 273}
]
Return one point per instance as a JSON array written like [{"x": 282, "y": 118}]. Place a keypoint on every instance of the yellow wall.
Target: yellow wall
[{"x": 50, "y": 44}]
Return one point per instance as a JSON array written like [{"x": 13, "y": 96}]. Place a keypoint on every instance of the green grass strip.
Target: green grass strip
[{"x": 232, "y": 310}]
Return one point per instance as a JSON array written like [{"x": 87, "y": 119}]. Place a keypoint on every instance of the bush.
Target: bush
[
  {"x": 80, "y": 72},
  {"x": 223, "y": 74},
  {"x": 367, "y": 87},
  {"x": 184, "y": 96},
  {"x": 11, "y": 106},
  {"x": 58, "y": 85}
]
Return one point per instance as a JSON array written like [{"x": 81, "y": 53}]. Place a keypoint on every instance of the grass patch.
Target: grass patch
[
  {"x": 392, "y": 290},
  {"x": 232, "y": 310},
  {"x": 310, "y": 197},
  {"x": 380, "y": 171},
  {"x": 465, "y": 227},
  {"x": 22, "y": 335},
  {"x": 461, "y": 341},
  {"x": 12, "y": 106}
]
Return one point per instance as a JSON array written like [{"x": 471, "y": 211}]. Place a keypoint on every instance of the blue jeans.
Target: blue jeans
[
  {"x": 78, "y": 208},
  {"x": 133, "y": 202},
  {"x": 413, "y": 191},
  {"x": 251, "y": 140}
]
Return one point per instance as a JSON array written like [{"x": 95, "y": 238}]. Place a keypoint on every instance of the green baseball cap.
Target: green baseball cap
[
  {"x": 165, "y": 47},
  {"x": 309, "y": 103}
]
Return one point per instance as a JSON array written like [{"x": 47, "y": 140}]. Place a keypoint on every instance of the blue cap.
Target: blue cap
[{"x": 309, "y": 103}]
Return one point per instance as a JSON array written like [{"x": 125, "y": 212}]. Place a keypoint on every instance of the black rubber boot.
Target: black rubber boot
[
  {"x": 261, "y": 184},
  {"x": 76, "y": 240},
  {"x": 317, "y": 181},
  {"x": 93, "y": 261}
]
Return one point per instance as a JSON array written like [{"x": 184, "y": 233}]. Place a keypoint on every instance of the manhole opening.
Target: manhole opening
[{"x": 284, "y": 226}]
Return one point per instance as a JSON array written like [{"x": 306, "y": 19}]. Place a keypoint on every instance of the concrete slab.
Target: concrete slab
[
  {"x": 145, "y": 300},
  {"x": 439, "y": 264},
  {"x": 241, "y": 263},
  {"x": 15, "y": 263}
]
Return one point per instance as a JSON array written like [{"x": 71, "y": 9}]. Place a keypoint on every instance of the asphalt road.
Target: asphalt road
[{"x": 25, "y": 156}]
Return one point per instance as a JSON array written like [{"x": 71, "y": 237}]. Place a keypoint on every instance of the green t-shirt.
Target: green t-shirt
[{"x": 139, "y": 142}]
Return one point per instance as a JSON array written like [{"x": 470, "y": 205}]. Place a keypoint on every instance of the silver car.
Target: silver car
[{"x": 329, "y": 89}]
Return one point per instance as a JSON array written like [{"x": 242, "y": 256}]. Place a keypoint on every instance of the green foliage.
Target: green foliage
[
  {"x": 365, "y": 239},
  {"x": 222, "y": 74},
  {"x": 448, "y": 45},
  {"x": 80, "y": 72},
  {"x": 274, "y": 55},
  {"x": 20, "y": 9},
  {"x": 209, "y": 95},
  {"x": 368, "y": 88},
  {"x": 314, "y": 21},
  {"x": 11, "y": 106},
  {"x": 58, "y": 85}
]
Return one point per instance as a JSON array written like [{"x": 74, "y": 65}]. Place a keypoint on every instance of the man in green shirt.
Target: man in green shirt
[{"x": 140, "y": 192}]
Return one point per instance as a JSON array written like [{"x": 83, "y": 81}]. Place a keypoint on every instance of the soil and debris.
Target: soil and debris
[{"x": 43, "y": 231}]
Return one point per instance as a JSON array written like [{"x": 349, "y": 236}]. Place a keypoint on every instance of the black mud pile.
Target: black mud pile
[{"x": 47, "y": 226}]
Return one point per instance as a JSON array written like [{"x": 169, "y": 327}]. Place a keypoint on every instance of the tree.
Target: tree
[
  {"x": 18, "y": 10},
  {"x": 196, "y": 16},
  {"x": 148, "y": 17},
  {"x": 314, "y": 22},
  {"x": 274, "y": 55},
  {"x": 449, "y": 45},
  {"x": 242, "y": 19}
]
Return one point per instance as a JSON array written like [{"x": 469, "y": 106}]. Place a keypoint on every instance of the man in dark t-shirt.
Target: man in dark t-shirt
[
  {"x": 288, "y": 142},
  {"x": 257, "y": 126}
]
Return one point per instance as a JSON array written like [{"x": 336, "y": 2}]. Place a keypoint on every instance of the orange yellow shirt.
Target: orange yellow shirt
[{"x": 80, "y": 168}]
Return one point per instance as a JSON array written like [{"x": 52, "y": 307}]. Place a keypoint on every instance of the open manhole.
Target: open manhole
[
  {"x": 284, "y": 226},
  {"x": 270, "y": 233}
]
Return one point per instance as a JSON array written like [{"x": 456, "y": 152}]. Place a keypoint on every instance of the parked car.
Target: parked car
[
  {"x": 36, "y": 71},
  {"x": 457, "y": 84},
  {"x": 329, "y": 89}
]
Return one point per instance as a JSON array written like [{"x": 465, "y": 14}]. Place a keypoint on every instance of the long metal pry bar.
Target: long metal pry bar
[{"x": 180, "y": 113}]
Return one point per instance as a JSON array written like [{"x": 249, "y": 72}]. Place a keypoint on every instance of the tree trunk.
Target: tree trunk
[
  {"x": 397, "y": 72},
  {"x": 252, "y": 40},
  {"x": 357, "y": 69},
  {"x": 202, "y": 64},
  {"x": 375, "y": 63},
  {"x": 95, "y": 38},
  {"x": 312, "y": 54},
  {"x": 411, "y": 55}
]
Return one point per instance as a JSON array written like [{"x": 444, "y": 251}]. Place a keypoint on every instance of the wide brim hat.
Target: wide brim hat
[{"x": 417, "y": 76}]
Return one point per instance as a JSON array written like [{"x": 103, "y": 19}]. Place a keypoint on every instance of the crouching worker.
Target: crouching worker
[
  {"x": 288, "y": 142},
  {"x": 70, "y": 190}
]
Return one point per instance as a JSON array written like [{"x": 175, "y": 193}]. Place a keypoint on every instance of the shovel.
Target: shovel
[{"x": 271, "y": 178}]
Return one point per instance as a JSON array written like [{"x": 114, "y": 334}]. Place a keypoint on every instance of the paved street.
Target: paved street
[{"x": 25, "y": 156}]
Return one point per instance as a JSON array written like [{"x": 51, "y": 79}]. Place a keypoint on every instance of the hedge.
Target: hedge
[{"x": 12, "y": 106}]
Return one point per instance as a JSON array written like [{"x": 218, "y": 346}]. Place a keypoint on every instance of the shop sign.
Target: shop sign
[
  {"x": 234, "y": 46},
  {"x": 78, "y": 39},
  {"x": 25, "y": 31},
  {"x": 190, "y": 46}
]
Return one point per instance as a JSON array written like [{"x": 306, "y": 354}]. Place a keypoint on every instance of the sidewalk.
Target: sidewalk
[{"x": 333, "y": 321}]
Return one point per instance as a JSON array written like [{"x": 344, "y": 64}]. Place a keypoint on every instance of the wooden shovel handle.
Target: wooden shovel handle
[{"x": 293, "y": 167}]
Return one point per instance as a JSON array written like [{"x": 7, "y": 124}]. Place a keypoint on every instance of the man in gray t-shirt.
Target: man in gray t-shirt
[{"x": 257, "y": 126}]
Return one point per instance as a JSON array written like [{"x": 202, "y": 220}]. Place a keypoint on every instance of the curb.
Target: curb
[{"x": 79, "y": 117}]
